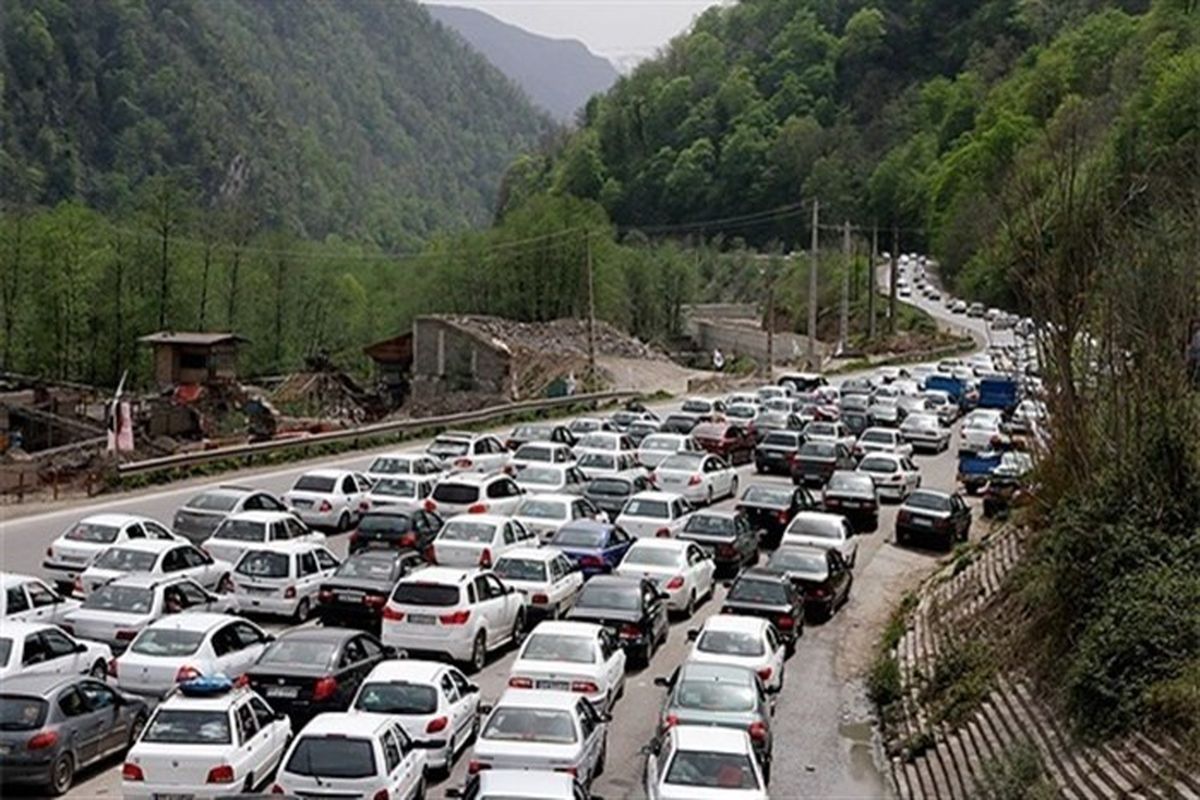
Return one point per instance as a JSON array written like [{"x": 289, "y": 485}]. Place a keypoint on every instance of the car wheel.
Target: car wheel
[
  {"x": 710, "y": 496},
  {"x": 302, "y": 610},
  {"x": 225, "y": 584},
  {"x": 690, "y": 608},
  {"x": 733, "y": 487},
  {"x": 99, "y": 670},
  {"x": 420, "y": 793},
  {"x": 600, "y": 761},
  {"x": 62, "y": 774},
  {"x": 343, "y": 522},
  {"x": 479, "y": 652},
  {"x": 518, "y": 629},
  {"x": 248, "y": 784},
  {"x": 135, "y": 728},
  {"x": 475, "y": 723}
]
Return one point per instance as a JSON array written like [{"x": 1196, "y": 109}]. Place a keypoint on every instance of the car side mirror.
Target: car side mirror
[
  {"x": 472, "y": 688},
  {"x": 280, "y": 716},
  {"x": 771, "y": 690},
  {"x": 268, "y": 638},
  {"x": 664, "y": 596},
  {"x": 693, "y": 634},
  {"x": 391, "y": 652},
  {"x": 727, "y": 584},
  {"x": 605, "y": 717},
  {"x": 453, "y": 791},
  {"x": 80, "y": 647},
  {"x": 663, "y": 681},
  {"x": 485, "y": 708}
]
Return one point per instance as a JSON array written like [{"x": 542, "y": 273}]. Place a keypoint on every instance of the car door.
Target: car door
[
  {"x": 455, "y": 710},
  {"x": 491, "y": 608},
  {"x": 654, "y": 610},
  {"x": 86, "y": 727},
  {"x": 347, "y": 496},
  {"x": 62, "y": 653},
  {"x": 612, "y": 655},
  {"x": 777, "y": 650},
  {"x": 839, "y": 574},
  {"x": 508, "y": 604},
  {"x": 16, "y": 604},
  {"x": 406, "y": 775},
  {"x": 277, "y": 733},
  {"x": 701, "y": 578},
  {"x": 467, "y": 707},
  {"x": 199, "y": 566},
  {"x": 246, "y": 643},
  {"x": 192, "y": 595},
  {"x": 254, "y": 743},
  {"x": 591, "y": 732},
  {"x": 104, "y": 710}
]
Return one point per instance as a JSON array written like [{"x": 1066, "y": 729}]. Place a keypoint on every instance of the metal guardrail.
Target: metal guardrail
[{"x": 488, "y": 414}]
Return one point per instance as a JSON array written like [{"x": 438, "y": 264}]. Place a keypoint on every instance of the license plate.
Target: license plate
[
  {"x": 74, "y": 559},
  {"x": 5, "y": 749},
  {"x": 420, "y": 619},
  {"x": 302, "y": 503},
  {"x": 283, "y": 691},
  {"x": 921, "y": 522},
  {"x": 554, "y": 685},
  {"x": 172, "y": 796},
  {"x": 350, "y": 597},
  {"x": 851, "y": 504}
]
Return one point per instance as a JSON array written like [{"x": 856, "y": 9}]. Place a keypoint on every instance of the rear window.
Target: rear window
[
  {"x": 240, "y": 530},
  {"x": 540, "y": 476},
  {"x": 129, "y": 599},
  {"x": 332, "y": 757},
  {"x": 579, "y": 537},
  {"x": 390, "y": 466},
  {"x": 710, "y": 524},
  {"x": 850, "y": 482},
  {"x": 767, "y": 496},
  {"x": 665, "y": 443},
  {"x": 653, "y": 556},
  {"x": 818, "y": 450},
  {"x": 213, "y": 501},
  {"x": 176, "y": 726},
  {"x": 623, "y": 598},
  {"x": 750, "y": 591},
  {"x": 819, "y": 429},
  {"x": 384, "y": 523},
  {"x": 556, "y": 647},
  {"x": 458, "y": 530},
  {"x": 167, "y": 642},
  {"x": 598, "y": 460},
  {"x": 817, "y": 528},
  {"x": 19, "y": 713},
  {"x": 375, "y": 569},
  {"x": 264, "y": 564},
  {"x": 793, "y": 560},
  {"x": 782, "y": 439},
  {"x": 397, "y": 697},
  {"x": 709, "y": 695},
  {"x": 395, "y": 487},
  {"x": 879, "y": 437},
  {"x": 121, "y": 560},
  {"x": 682, "y": 463},
  {"x": 696, "y": 406},
  {"x": 90, "y": 532},
  {"x": 457, "y": 493},
  {"x": 654, "y": 509},
  {"x": 314, "y": 483},
  {"x": 730, "y": 643},
  {"x": 534, "y": 453},
  {"x": 542, "y": 509},
  {"x": 425, "y": 594},
  {"x": 299, "y": 651},
  {"x": 443, "y": 448},
  {"x": 876, "y": 464},
  {"x": 597, "y": 441},
  {"x": 530, "y": 725},
  {"x": 928, "y": 501},
  {"x": 521, "y": 569},
  {"x": 609, "y": 486}
]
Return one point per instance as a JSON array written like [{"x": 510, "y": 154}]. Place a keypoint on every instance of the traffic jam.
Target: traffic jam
[{"x": 331, "y": 641}]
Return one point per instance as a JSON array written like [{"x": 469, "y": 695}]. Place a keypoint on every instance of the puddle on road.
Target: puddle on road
[{"x": 865, "y": 773}]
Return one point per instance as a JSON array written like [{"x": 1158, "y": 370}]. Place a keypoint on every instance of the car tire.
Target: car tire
[
  {"x": 62, "y": 775},
  {"x": 599, "y": 770},
  {"x": 690, "y": 609},
  {"x": 248, "y": 784},
  {"x": 901, "y": 538},
  {"x": 478, "y": 653},
  {"x": 303, "y": 610},
  {"x": 420, "y": 793},
  {"x": 710, "y": 497},
  {"x": 136, "y": 727},
  {"x": 733, "y": 489},
  {"x": 518, "y": 629}
]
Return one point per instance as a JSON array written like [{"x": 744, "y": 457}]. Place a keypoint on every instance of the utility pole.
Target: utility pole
[
  {"x": 591, "y": 324},
  {"x": 892, "y": 279},
  {"x": 871, "y": 290},
  {"x": 770, "y": 324},
  {"x": 812, "y": 287},
  {"x": 844, "y": 321}
]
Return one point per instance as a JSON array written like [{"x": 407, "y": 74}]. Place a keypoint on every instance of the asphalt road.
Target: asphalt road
[{"x": 824, "y": 746}]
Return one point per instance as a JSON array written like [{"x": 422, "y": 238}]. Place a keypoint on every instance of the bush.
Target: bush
[
  {"x": 1017, "y": 775},
  {"x": 961, "y": 680},
  {"x": 883, "y": 681}
]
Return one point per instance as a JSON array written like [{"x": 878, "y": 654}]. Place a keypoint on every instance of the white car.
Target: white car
[
  {"x": 352, "y": 754},
  {"x": 28, "y": 648},
  {"x": 202, "y": 513},
  {"x": 832, "y": 432},
  {"x": 941, "y": 405},
  {"x": 544, "y": 514},
  {"x": 117, "y": 612},
  {"x": 750, "y": 642},
  {"x": 895, "y": 476},
  {"x": 456, "y": 451},
  {"x": 545, "y": 577},
  {"x": 75, "y": 548},
  {"x": 207, "y": 739},
  {"x": 155, "y": 557},
  {"x": 656, "y": 447},
  {"x": 552, "y": 478},
  {"x": 741, "y": 399},
  {"x": 543, "y": 730},
  {"x": 401, "y": 492},
  {"x": 464, "y": 614},
  {"x": 699, "y": 477},
  {"x": 824, "y": 530},
  {"x": 654, "y": 513},
  {"x": 24, "y": 598},
  {"x": 282, "y": 579},
  {"x": 702, "y": 407},
  {"x": 475, "y": 493},
  {"x": 692, "y": 761},
  {"x": 882, "y": 440},
  {"x": 926, "y": 432},
  {"x": 604, "y": 442},
  {"x": 516, "y": 784},
  {"x": 679, "y": 568},
  {"x": 434, "y": 703},
  {"x": 539, "y": 453},
  {"x": 981, "y": 432},
  {"x": 477, "y": 540},
  {"x": 602, "y": 464},
  {"x": 404, "y": 465},
  {"x": 328, "y": 498},
  {"x": 579, "y": 657},
  {"x": 181, "y": 647},
  {"x": 251, "y": 529}
]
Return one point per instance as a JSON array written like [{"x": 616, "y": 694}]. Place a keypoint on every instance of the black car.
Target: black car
[
  {"x": 933, "y": 515},
  {"x": 395, "y": 529},
  {"x": 856, "y": 422},
  {"x": 820, "y": 574},
  {"x": 727, "y": 536},
  {"x": 356, "y": 593},
  {"x": 640, "y": 430},
  {"x": 523, "y": 434},
  {"x": 775, "y": 452},
  {"x": 679, "y": 423},
  {"x": 632, "y": 607},
  {"x": 771, "y": 508},
  {"x": 610, "y": 492},
  {"x": 816, "y": 461},
  {"x": 853, "y": 495},
  {"x": 765, "y": 593},
  {"x": 861, "y": 386},
  {"x": 770, "y": 421},
  {"x": 308, "y": 671}
]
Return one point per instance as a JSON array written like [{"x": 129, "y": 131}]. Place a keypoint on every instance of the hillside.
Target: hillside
[
  {"x": 559, "y": 75},
  {"x": 364, "y": 119}
]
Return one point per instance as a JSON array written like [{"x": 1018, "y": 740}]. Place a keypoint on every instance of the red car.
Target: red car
[{"x": 730, "y": 441}]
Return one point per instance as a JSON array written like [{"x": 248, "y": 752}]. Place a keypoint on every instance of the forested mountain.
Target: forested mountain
[
  {"x": 366, "y": 119},
  {"x": 559, "y": 75}
]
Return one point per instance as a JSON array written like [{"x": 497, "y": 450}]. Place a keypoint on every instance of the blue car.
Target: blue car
[{"x": 597, "y": 547}]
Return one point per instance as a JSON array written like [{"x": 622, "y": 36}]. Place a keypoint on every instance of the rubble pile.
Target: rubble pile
[{"x": 562, "y": 337}]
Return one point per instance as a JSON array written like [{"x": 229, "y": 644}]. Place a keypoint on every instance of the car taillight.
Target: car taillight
[
  {"x": 374, "y": 600},
  {"x": 509, "y": 469},
  {"x": 675, "y": 583},
  {"x": 437, "y": 724},
  {"x": 584, "y": 687},
  {"x": 474, "y": 767},
  {"x": 539, "y": 599},
  {"x": 221, "y": 774},
  {"x": 572, "y": 771},
  {"x": 670, "y": 721},
  {"x": 765, "y": 673},
  {"x": 726, "y": 550},
  {"x": 782, "y": 516},
  {"x": 485, "y": 558},
  {"x": 408, "y": 540},
  {"x": 289, "y": 593},
  {"x": 112, "y": 668},
  {"x": 430, "y": 554},
  {"x": 325, "y": 507},
  {"x": 324, "y": 688},
  {"x": 49, "y": 552},
  {"x": 132, "y": 772},
  {"x": 364, "y": 505},
  {"x": 784, "y": 622},
  {"x": 126, "y": 636},
  {"x": 758, "y": 732},
  {"x": 225, "y": 586},
  {"x": 325, "y": 596},
  {"x": 43, "y": 740},
  {"x": 464, "y": 463},
  {"x": 392, "y": 615},
  {"x": 517, "y": 682},
  {"x": 277, "y": 789},
  {"x": 663, "y": 533},
  {"x": 903, "y": 516},
  {"x": 382, "y": 794},
  {"x": 430, "y": 505},
  {"x": 694, "y": 480},
  {"x": 186, "y": 673},
  {"x": 77, "y": 586},
  {"x": 629, "y": 631},
  {"x": 591, "y": 561},
  {"x": 242, "y": 681},
  {"x": 478, "y": 508},
  {"x": 819, "y": 591},
  {"x": 457, "y": 618}
]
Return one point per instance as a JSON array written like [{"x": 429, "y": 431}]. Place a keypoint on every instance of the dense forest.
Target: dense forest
[{"x": 365, "y": 120}]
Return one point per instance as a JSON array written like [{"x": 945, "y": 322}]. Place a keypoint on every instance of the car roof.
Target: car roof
[
  {"x": 521, "y": 783},
  {"x": 495, "y": 520},
  {"x": 219, "y": 701},
  {"x": 201, "y": 621},
  {"x": 819, "y": 516},
  {"x": 17, "y": 630},
  {"x": 37, "y": 684},
  {"x": 720, "y": 512},
  {"x": 762, "y": 574},
  {"x": 538, "y": 698},
  {"x": 674, "y": 545},
  {"x": 114, "y": 520},
  {"x": 260, "y": 516},
  {"x": 234, "y": 490},
  {"x": 889, "y": 456},
  {"x": 286, "y": 547},
  {"x": 13, "y": 578},
  {"x": 327, "y": 473},
  {"x": 314, "y": 634},
  {"x": 149, "y": 545},
  {"x": 565, "y": 628},
  {"x": 458, "y": 435},
  {"x": 735, "y": 622},
  {"x": 346, "y": 722},
  {"x": 399, "y": 456},
  {"x": 619, "y": 581},
  {"x": 593, "y": 525},
  {"x": 711, "y": 739},
  {"x": 474, "y": 478},
  {"x": 717, "y": 672},
  {"x": 145, "y": 580},
  {"x": 655, "y": 495},
  {"x": 532, "y": 553},
  {"x": 929, "y": 493},
  {"x": 557, "y": 496},
  {"x": 444, "y": 575},
  {"x": 550, "y": 445},
  {"x": 403, "y": 669}
]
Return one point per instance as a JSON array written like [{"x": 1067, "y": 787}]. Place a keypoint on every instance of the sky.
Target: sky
[{"x": 617, "y": 29}]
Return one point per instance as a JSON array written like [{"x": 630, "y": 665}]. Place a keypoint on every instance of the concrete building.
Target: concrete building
[
  {"x": 451, "y": 355},
  {"x": 194, "y": 358}
]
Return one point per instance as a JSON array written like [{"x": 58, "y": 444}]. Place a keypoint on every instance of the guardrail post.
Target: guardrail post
[
  {"x": 20, "y": 487},
  {"x": 54, "y": 482}
]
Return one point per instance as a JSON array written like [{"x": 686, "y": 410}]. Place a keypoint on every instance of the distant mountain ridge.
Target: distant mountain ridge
[{"x": 557, "y": 74}]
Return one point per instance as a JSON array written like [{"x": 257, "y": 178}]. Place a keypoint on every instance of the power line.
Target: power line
[{"x": 791, "y": 209}]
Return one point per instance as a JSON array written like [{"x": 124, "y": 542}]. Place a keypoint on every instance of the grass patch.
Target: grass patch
[
  {"x": 962, "y": 677},
  {"x": 883, "y": 681},
  {"x": 1017, "y": 775}
]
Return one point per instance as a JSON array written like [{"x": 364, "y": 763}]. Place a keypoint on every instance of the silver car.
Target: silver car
[{"x": 199, "y": 517}]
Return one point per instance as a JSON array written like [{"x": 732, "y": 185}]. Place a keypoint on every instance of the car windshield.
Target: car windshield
[
  {"x": 299, "y": 651},
  {"x": 542, "y": 509},
  {"x": 876, "y": 464},
  {"x": 241, "y": 530},
  {"x": 384, "y": 523},
  {"x": 369, "y": 568},
  {"x": 654, "y": 509},
  {"x": 621, "y": 598},
  {"x": 332, "y": 757},
  {"x": 730, "y": 643},
  {"x": 928, "y": 501},
  {"x": 682, "y": 462},
  {"x": 425, "y": 594},
  {"x": 540, "y": 476},
  {"x": 213, "y": 501},
  {"x": 752, "y": 591},
  {"x": 710, "y": 695},
  {"x": 121, "y": 560},
  {"x": 794, "y": 560},
  {"x": 548, "y": 725},
  {"x": 598, "y": 461},
  {"x": 263, "y": 564},
  {"x": 397, "y": 697},
  {"x": 91, "y": 532},
  {"x": 666, "y": 444},
  {"x": 712, "y": 524},
  {"x": 534, "y": 453},
  {"x": 614, "y": 487},
  {"x": 696, "y": 406},
  {"x": 459, "y": 530},
  {"x": 653, "y": 556},
  {"x": 580, "y": 537},
  {"x": 395, "y": 487},
  {"x": 445, "y": 448},
  {"x": 556, "y": 647},
  {"x": 179, "y": 726},
  {"x": 388, "y": 465},
  {"x": 20, "y": 713},
  {"x": 879, "y": 437},
  {"x": 127, "y": 599},
  {"x": 167, "y": 642},
  {"x": 521, "y": 569},
  {"x": 768, "y": 497},
  {"x": 850, "y": 482},
  {"x": 318, "y": 484}
]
